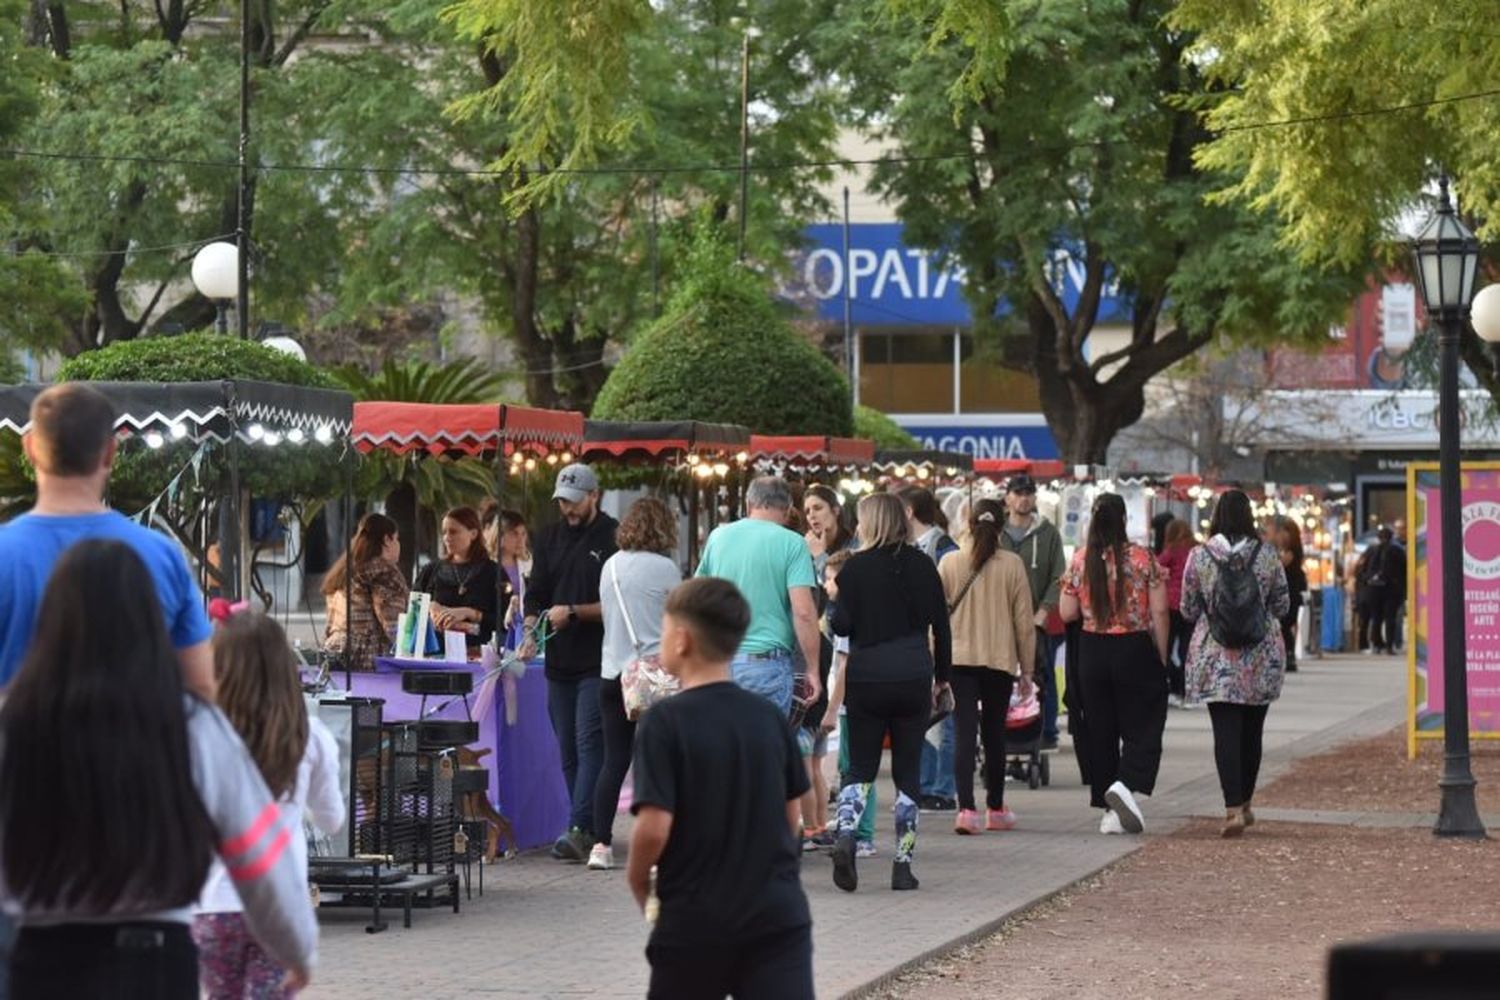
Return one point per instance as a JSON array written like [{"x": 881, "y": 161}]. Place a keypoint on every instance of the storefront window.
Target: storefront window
[
  {"x": 910, "y": 371},
  {"x": 989, "y": 385}
]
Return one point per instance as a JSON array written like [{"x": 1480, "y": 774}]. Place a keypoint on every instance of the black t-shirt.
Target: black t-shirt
[
  {"x": 723, "y": 761},
  {"x": 466, "y": 585}
]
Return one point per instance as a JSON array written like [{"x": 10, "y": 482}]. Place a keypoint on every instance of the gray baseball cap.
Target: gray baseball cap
[{"x": 575, "y": 482}]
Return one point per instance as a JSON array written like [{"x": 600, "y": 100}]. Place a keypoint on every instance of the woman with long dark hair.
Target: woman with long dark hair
[
  {"x": 633, "y": 589},
  {"x": 116, "y": 785},
  {"x": 375, "y": 590},
  {"x": 1238, "y": 682},
  {"x": 1173, "y": 559},
  {"x": 888, "y": 599},
  {"x": 994, "y": 647},
  {"x": 463, "y": 583},
  {"x": 1289, "y": 550},
  {"x": 1119, "y": 592}
]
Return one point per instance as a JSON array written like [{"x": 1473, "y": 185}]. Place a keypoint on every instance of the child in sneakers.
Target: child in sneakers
[
  {"x": 261, "y": 694},
  {"x": 718, "y": 784}
]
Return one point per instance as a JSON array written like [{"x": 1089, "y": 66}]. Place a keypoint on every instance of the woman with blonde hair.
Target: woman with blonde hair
[
  {"x": 888, "y": 600},
  {"x": 366, "y": 594},
  {"x": 994, "y": 647},
  {"x": 633, "y": 589}
]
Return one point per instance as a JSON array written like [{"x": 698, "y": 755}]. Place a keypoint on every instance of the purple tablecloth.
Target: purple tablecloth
[{"x": 526, "y": 782}]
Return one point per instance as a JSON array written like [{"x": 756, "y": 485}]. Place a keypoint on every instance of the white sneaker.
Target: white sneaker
[
  {"x": 1124, "y": 805},
  {"x": 602, "y": 858},
  {"x": 1110, "y": 824}
]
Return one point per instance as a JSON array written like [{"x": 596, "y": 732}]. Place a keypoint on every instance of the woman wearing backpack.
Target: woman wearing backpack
[
  {"x": 1120, "y": 593},
  {"x": 1235, "y": 589}
]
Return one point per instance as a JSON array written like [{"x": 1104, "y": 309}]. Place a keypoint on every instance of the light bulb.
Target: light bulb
[
  {"x": 154, "y": 439},
  {"x": 256, "y": 432}
]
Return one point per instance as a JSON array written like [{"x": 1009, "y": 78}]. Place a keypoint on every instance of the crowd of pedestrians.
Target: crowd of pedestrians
[{"x": 893, "y": 626}]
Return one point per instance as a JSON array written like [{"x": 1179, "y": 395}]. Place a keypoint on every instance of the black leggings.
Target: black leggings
[
  {"x": 981, "y": 699},
  {"x": 1238, "y": 736},
  {"x": 619, "y": 742},
  {"x": 149, "y": 961},
  {"x": 901, "y": 708},
  {"x": 1125, "y": 708}
]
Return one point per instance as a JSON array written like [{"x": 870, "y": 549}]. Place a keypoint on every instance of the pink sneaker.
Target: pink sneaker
[
  {"x": 967, "y": 823},
  {"x": 1001, "y": 819}
]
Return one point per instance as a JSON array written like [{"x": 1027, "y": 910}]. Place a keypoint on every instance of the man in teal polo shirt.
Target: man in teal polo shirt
[{"x": 773, "y": 568}]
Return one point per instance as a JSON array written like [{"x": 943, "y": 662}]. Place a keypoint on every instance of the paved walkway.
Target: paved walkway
[{"x": 544, "y": 929}]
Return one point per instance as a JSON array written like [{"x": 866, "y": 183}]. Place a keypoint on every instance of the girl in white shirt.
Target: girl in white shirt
[{"x": 261, "y": 693}]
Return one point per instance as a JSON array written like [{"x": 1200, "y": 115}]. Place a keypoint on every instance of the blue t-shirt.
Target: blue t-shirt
[{"x": 30, "y": 546}]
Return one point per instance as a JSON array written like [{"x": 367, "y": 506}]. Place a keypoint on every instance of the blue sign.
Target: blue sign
[
  {"x": 891, "y": 284},
  {"x": 971, "y": 435}
]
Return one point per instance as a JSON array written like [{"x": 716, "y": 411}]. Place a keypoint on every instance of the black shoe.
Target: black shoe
[
  {"x": 573, "y": 846},
  {"x": 845, "y": 876},
  {"x": 901, "y": 876},
  {"x": 1049, "y": 744},
  {"x": 937, "y": 804}
]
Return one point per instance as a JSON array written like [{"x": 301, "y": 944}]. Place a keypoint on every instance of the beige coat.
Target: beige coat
[{"x": 995, "y": 624}]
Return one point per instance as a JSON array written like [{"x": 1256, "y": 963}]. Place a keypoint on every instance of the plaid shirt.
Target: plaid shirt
[{"x": 379, "y": 598}]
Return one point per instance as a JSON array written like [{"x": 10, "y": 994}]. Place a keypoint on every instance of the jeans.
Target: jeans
[
  {"x": 937, "y": 764},
  {"x": 619, "y": 741},
  {"x": 768, "y": 675},
  {"x": 574, "y": 708}
]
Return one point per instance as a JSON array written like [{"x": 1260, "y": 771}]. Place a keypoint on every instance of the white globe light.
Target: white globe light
[
  {"x": 286, "y": 345},
  {"x": 1485, "y": 313},
  {"x": 216, "y": 271}
]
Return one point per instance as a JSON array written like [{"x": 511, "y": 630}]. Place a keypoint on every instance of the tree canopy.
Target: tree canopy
[
  {"x": 722, "y": 353},
  {"x": 1082, "y": 155}
]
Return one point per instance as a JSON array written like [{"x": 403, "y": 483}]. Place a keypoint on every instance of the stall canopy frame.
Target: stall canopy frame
[
  {"x": 238, "y": 412},
  {"x": 812, "y": 451}
]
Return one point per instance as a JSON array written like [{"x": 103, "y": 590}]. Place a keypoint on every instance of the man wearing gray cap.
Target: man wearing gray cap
[{"x": 564, "y": 588}]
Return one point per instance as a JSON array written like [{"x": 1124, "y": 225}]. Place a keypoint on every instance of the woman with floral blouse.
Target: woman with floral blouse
[
  {"x": 1238, "y": 684},
  {"x": 1120, "y": 593},
  {"x": 376, "y": 594}
]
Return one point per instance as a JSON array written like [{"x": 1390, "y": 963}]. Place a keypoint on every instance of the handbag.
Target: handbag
[{"x": 644, "y": 681}]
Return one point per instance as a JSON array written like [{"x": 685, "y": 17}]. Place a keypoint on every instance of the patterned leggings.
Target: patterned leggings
[{"x": 231, "y": 964}]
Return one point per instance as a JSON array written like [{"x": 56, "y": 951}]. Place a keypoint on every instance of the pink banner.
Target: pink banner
[{"x": 1481, "y": 547}]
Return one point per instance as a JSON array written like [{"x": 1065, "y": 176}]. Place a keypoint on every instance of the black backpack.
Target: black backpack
[{"x": 1236, "y": 609}]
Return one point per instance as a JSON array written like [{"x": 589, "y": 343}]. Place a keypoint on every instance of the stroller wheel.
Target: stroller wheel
[
  {"x": 1046, "y": 768},
  {"x": 1033, "y": 774}
]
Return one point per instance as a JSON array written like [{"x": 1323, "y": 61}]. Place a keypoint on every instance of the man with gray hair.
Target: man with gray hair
[{"x": 773, "y": 567}]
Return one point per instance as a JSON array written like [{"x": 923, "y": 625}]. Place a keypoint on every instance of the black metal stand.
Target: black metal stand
[{"x": 1458, "y": 815}]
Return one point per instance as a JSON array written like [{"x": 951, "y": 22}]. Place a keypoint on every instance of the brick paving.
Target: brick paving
[{"x": 544, "y": 929}]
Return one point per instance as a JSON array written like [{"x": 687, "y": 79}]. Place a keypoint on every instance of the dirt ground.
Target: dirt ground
[
  {"x": 1193, "y": 915},
  {"x": 1374, "y": 774}
]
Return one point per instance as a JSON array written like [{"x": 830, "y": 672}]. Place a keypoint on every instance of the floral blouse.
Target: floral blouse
[
  {"x": 379, "y": 597},
  {"x": 1239, "y": 676},
  {"x": 1141, "y": 574}
]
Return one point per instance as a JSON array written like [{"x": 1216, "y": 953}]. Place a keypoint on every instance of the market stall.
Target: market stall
[{"x": 707, "y": 462}]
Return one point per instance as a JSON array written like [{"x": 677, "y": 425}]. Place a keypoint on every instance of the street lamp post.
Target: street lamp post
[
  {"x": 216, "y": 275},
  {"x": 1447, "y": 259}
]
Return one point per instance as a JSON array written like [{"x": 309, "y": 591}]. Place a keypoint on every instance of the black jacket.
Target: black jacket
[
  {"x": 565, "y": 569},
  {"x": 893, "y": 596}
]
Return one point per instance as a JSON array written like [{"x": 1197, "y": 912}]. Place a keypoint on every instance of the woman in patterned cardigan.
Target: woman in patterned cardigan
[{"x": 377, "y": 594}]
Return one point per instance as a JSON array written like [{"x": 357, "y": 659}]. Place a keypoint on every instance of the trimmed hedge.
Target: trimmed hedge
[{"x": 722, "y": 353}]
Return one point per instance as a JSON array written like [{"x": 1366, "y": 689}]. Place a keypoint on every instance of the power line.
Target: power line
[
  {"x": 194, "y": 244},
  {"x": 647, "y": 170}
]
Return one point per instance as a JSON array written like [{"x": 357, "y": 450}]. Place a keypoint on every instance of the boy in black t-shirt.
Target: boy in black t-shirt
[{"x": 718, "y": 779}]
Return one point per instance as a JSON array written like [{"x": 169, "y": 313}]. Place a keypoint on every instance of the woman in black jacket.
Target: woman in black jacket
[{"x": 889, "y": 602}]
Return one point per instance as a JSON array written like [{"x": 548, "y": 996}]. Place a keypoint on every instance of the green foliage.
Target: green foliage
[
  {"x": 439, "y": 482},
  {"x": 309, "y": 470},
  {"x": 1083, "y": 148},
  {"x": 560, "y": 66},
  {"x": 870, "y": 423},
  {"x": 1339, "y": 185},
  {"x": 722, "y": 353}
]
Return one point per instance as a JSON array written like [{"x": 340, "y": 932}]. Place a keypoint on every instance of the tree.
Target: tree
[
  {"x": 1084, "y": 149},
  {"x": 1339, "y": 181},
  {"x": 722, "y": 353},
  {"x": 875, "y": 426}
]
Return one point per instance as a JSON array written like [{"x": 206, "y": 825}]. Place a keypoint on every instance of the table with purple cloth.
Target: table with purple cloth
[{"x": 526, "y": 782}]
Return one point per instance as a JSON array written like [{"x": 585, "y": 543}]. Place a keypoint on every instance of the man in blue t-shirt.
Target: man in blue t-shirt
[
  {"x": 773, "y": 568},
  {"x": 72, "y": 447}
]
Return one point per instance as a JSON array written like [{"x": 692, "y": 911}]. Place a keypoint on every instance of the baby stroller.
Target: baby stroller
[{"x": 1024, "y": 760}]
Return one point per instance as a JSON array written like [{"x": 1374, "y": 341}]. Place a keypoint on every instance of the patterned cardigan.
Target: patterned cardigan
[
  {"x": 1239, "y": 676},
  {"x": 378, "y": 598}
]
